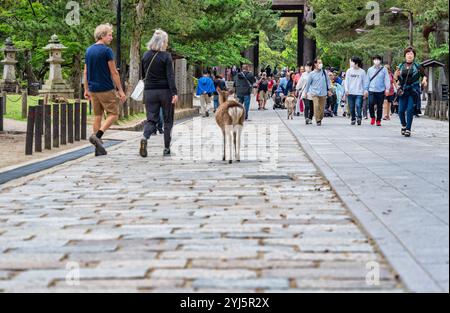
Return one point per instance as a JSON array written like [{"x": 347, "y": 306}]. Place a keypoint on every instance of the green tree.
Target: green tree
[
  {"x": 210, "y": 32},
  {"x": 337, "y": 20},
  {"x": 280, "y": 51}
]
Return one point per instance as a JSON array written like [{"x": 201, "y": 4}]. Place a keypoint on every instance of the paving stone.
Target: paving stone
[
  {"x": 194, "y": 226},
  {"x": 226, "y": 284},
  {"x": 20, "y": 261},
  {"x": 203, "y": 273},
  {"x": 150, "y": 264}
]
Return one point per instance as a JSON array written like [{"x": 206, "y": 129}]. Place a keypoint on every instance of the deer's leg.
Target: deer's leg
[
  {"x": 235, "y": 143},
  {"x": 224, "y": 145},
  {"x": 230, "y": 142},
  {"x": 238, "y": 143}
]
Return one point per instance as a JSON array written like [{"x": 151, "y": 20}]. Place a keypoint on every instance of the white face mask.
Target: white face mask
[
  {"x": 377, "y": 62},
  {"x": 320, "y": 66},
  {"x": 352, "y": 64},
  {"x": 307, "y": 69}
]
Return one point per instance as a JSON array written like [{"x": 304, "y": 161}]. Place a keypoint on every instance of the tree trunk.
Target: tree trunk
[
  {"x": 75, "y": 80},
  {"x": 427, "y": 30},
  {"x": 31, "y": 77},
  {"x": 442, "y": 38},
  {"x": 135, "y": 53}
]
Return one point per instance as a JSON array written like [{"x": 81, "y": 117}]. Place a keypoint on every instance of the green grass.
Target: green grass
[
  {"x": 14, "y": 106},
  {"x": 136, "y": 117}
]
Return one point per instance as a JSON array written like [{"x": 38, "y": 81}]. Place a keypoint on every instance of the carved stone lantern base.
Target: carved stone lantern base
[{"x": 9, "y": 86}]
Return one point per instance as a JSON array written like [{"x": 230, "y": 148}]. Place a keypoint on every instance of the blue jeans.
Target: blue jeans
[
  {"x": 355, "y": 103},
  {"x": 245, "y": 100},
  {"x": 407, "y": 106},
  {"x": 216, "y": 102}
]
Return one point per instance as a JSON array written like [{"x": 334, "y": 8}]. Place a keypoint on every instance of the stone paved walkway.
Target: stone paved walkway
[
  {"x": 14, "y": 126},
  {"x": 190, "y": 223},
  {"x": 397, "y": 187}
]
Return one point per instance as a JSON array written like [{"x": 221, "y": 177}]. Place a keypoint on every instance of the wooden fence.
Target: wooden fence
[{"x": 55, "y": 124}]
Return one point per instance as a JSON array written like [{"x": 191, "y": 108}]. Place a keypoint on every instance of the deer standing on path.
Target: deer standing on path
[
  {"x": 290, "y": 105},
  {"x": 230, "y": 117}
]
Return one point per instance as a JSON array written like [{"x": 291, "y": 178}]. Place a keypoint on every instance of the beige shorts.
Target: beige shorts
[
  {"x": 106, "y": 101},
  {"x": 262, "y": 95}
]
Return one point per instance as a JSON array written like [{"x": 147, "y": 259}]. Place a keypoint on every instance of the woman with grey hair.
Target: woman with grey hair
[{"x": 160, "y": 89}]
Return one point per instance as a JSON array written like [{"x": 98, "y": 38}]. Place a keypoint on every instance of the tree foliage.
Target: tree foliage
[
  {"x": 215, "y": 32},
  {"x": 279, "y": 46},
  {"x": 337, "y": 21},
  {"x": 210, "y": 32}
]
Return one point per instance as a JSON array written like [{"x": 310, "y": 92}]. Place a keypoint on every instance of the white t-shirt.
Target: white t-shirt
[
  {"x": 301, "y": 85},
  {"x": 355, "y": 80}
]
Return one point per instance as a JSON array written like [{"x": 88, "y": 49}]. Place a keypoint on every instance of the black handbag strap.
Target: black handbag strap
[
  {"x": 406, "y": 79},
  {"x": 245, "y": 76},
  {"x": 376, "y": 74},
  {"x": 148, "y": 69}
]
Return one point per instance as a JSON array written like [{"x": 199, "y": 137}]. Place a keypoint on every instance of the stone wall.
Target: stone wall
[{"x": 184, "y": 82}]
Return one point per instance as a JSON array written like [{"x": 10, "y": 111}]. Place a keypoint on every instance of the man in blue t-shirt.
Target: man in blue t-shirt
[
  {"x": 101, "y": 79},
  {"x": 205, "y": 89}
]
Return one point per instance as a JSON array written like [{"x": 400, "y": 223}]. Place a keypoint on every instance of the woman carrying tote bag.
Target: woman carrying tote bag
[{"x": 160, "y": 90}]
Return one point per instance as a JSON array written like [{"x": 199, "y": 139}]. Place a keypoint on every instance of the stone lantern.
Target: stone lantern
[
  {"x": 9, "y": 82},
  {"x": 56, "y": 86}
]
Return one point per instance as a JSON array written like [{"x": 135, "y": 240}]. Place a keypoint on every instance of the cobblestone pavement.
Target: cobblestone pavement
[
  {"x": 397, "y": 187},
  {"x": 186, "y": 224}
]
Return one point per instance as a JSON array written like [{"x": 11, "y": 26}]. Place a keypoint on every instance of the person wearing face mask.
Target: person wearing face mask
[
  {"x": 408, "y": 75},
  {"x": 301, "y": 90},
  {"x": 355, "y": 91},
  {"x": 378, "y": 85},
  {"x": 318, "y": 88}
]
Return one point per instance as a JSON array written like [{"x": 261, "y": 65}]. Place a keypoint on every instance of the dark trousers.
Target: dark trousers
[
  {"x": 364, "y": 107},
  {"x": 154, "y": 101},
  {"x": 376, "y": 99},
  {"x": 394, "y": 108},
  {"x": 309, "y": 109},
  {"x": 336, "y": 107},
  {"x": 161, "y": 120}
]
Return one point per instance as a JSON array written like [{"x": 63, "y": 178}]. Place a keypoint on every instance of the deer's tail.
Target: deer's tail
[{"x": 235, "y": 114}]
